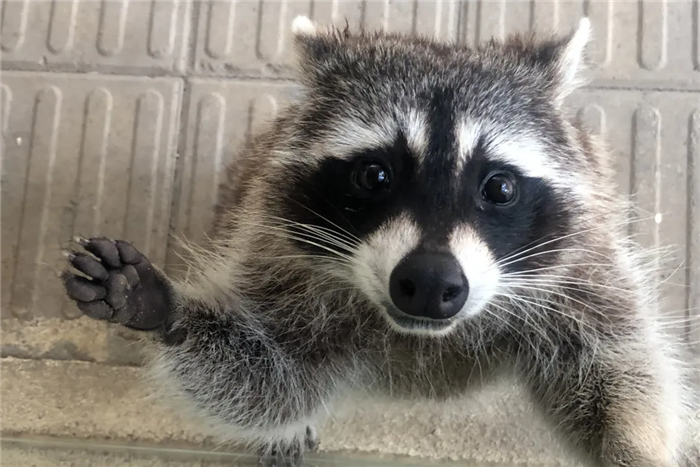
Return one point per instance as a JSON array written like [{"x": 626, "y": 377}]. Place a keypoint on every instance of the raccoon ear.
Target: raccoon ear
[
  {"x": 570, "y": 62},
  {"x": 318, "y": 47},
  {"x": 302, "y": 26}
]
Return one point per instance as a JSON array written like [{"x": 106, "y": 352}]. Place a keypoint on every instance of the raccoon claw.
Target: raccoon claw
[
  {"x": 291, "y": 456},
  {"x": 117, "y": 284},
  {"x": 281, "y": 458},
  {"x": 311, "y": 441}
]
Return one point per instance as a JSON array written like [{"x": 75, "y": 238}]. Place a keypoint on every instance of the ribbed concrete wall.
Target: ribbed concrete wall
[{"x": 119, "y": 116}]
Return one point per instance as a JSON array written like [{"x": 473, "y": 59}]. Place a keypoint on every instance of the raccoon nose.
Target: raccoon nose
[{"x": 429, "y": 285}]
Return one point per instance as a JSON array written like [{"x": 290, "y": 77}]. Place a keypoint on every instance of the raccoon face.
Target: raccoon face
[{"x": 429, "y": 172}]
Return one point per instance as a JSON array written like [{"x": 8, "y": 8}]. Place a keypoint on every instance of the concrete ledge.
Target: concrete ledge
[
  {"x": 52, "y": 453},
  {"x": 81, "y": 400},
  {"x": 45, "y": 452},
  {"x": 81, "y": 339}
]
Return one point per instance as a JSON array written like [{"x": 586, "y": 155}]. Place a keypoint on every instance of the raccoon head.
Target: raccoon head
[{"x": 428, "y": 171}]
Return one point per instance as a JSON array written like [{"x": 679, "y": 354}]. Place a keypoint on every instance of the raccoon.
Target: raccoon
[{"x": 422, "y": 217}]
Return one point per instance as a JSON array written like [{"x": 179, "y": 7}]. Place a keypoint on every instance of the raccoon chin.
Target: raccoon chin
[{"x": 411, "y": 325}]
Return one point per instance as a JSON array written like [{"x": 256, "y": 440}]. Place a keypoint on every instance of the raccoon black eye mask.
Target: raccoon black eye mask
[{"x": 426, "y": 205}]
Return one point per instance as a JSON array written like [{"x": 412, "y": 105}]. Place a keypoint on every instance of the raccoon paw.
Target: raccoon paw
[
  {"x": 282, "y": 457},
  {"x": 122, "y": 286},
  {"x": 290, "y": 456}
]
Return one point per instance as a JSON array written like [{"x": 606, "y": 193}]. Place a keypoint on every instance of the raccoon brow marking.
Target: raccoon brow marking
[
  {"x": 355, "y": 135},
  {"x": 350, "y": 136},
  {"x": 527, "y": 154},
  {"x": 520, "y": 150},
  {"x": 468, "y": 134},
  {"x": 414, "y": 126}
]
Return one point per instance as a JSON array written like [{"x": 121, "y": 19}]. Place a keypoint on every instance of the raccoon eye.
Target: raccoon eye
[
  {"x": 498, "y": 189},
  {"x": 371, "y": 177}
]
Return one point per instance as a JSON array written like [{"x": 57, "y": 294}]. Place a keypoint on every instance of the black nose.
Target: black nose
[{"x": 429, "y": 285}]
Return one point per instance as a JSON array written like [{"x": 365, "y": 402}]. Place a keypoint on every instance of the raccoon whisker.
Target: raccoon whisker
[
  {"x": 331, "y": 238},
  {"x": 310, "y": 291},
  {"x": 283, "y": 224},
  {"x": 537, "y": 308},
  {"x": 343, "y": 231},
  {"x": 678, "y": 322},
  {"x": 536, "y": 243},
  {"x": 688, "y": 318},
  {"x": 556, "y": 267},
  {"x": 316, "y": 230},
  {"x": 673, "y": 273},
  {"x": 557, "y": 289},
  {"x": 324, "y": 234},
  {"x": 555, "y": 293},
  {"x": 534, "y": 273},
  {"x": 558, "y": 281},
  {"x": 518, "y": 331},
  {"x": 333, "y": 259},
  {"x": 335, "y": 240},
  {"x": 286, "y": 234},
  {"x": 320, "y": 245},
  {"x": 500, "y": 306},
  {"x": 540, "y": 253},
  {"x": 560, "y": 267},
  {"x": 330, "y": 242},
  {"x": 539, "y": 243},
  {"x": 501, "y": 263},
  {"x": 323, "y": 217}
]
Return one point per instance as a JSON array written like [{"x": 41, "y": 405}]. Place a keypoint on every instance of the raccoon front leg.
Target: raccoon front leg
[
  {"x": 621, "y": 402},
  {"x": 226, "y": 362}
]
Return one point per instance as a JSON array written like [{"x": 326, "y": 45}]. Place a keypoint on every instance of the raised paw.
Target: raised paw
[{"x": 118, "y": 284}]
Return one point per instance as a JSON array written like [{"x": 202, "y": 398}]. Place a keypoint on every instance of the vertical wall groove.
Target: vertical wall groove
[
  {"x": 37, "y": 196},
  {"x": 693, "y": 256}
]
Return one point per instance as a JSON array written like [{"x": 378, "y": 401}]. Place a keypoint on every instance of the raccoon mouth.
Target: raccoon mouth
[{"x": 412, "y": 323}]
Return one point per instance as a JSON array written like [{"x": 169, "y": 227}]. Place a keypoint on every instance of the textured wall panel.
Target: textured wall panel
[
  {"x": 641, "y": 41},
  {"x": 694, "y": 227},
  {"x": 251, "y": 38},
  {"x": 80, "y": 152},
  {"x": 646, "y": 41},
  {"x": 219, "y": 123},
  {"x": 654, "y": 139},
  {"x": 84, "y": 155},
  {"x": 123, "y": 35}
]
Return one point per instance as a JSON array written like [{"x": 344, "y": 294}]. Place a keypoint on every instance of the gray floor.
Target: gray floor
[{"x": 118, "y": 116}]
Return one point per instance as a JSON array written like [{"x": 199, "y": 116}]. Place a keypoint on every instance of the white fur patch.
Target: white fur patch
[
  {"x": 517, "y": 148},
  {"x": 479, "y": 267},
  {"x": 380, "y": 253},
  {"x": 525, "y": 153},
  {"x": 351, "y": 135},
  {"x": 468, "y": 133},
  {"x": 303, "y": 26},
  {"x": 415, "y": 127}
]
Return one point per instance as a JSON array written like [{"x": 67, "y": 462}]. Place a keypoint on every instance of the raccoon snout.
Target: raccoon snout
[{"x": 429, "y": 285}]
